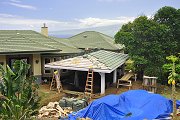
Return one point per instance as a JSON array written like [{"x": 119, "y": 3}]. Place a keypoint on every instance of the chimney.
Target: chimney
[{"x": 44, "y": 30}]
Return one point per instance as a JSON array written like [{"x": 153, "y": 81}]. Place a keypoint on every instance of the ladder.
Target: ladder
[
  {"x": 56, "y": 83},
  {"x": 89, "y": 85}
]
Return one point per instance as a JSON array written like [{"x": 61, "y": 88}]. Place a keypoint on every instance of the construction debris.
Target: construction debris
[
  {"x": 53, "y": 110},
  {"x": 62, "y": 108},
  {"x": 75, "y": 104}
]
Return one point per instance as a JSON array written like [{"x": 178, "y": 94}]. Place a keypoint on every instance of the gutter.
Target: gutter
[{"x": 28, "y": 52}]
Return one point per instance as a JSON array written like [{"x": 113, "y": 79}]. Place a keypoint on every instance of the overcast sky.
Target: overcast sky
[{"x": 75, "y": 14}]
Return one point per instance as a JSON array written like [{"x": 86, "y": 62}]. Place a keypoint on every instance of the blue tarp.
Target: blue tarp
[{"x": 131, "y": 105}]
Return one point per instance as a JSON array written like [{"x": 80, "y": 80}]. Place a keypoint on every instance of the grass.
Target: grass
[{"x": 166, "y": 92}]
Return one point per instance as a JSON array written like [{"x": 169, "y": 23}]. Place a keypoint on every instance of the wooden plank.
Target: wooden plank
[{"x": 127, "y": 76}]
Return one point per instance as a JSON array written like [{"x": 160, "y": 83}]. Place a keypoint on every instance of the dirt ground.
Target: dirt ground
[
  {"x": 47, "y": 96},
  {"x": 51, "y": 96}
]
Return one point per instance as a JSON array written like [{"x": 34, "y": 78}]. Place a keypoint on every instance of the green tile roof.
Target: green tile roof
[
  {"x": 22, "y": 41},
  {"x": 26, "y": 41},
  {"x": 111, "y": 59},
  {"x": 65, "y": 45},
  {"x": 99, "y": 61},
  {"x": 92, "y": 39}
]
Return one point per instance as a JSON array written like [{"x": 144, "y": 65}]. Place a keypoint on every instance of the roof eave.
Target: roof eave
[
  {"x": 28, "y": 52},
  {"x": 77, "y": 68}
]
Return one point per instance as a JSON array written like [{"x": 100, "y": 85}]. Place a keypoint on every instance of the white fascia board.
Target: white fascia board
[{"x": 76, "y": 68}]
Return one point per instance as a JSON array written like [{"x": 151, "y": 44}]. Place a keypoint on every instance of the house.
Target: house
[{"x": 38, "y": 49}]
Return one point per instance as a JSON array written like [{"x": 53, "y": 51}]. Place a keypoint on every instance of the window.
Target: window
[
  {"x": 67, "y": 57},
  {"x": 57, "y": 59},
  {"x": 46, "y": 61}
]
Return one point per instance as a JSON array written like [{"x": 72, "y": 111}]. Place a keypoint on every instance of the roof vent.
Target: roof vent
[{"x": 85, "y": 36}]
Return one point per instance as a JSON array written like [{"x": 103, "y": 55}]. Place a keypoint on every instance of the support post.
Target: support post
[
  {"x": 115, "y": 76},
  {"x": 123, "y": 69},
  {"x": 102, "y": 83},
  {"x": 76, "y": 79}
]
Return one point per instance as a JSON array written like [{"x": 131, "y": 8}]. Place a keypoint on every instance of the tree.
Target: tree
[
  {"x": 149, "y": 41},
  {"x": 20, "y": 92},
  {"x": 143, "y": 39},
  {"x": 170, "y": 17}
]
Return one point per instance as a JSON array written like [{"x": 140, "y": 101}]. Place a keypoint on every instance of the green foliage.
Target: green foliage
[
  {"x": 129, "y": 65},
  {"x": 20, "y": 92},
  {"x": 170, "y": 17},
  {"x": 149, "y": 41},
  {"x": 172, "y": 79},
  {"x": 172, "y": 68},
  {"x": 142, "y": 41}
]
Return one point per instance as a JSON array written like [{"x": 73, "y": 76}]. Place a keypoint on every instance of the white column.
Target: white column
[
  {"x": 115, "y": 76},
  {"x": 102, "y": 83}
]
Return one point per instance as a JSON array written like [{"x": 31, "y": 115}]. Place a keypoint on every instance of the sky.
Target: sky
[{"x": 62, "y": 15}]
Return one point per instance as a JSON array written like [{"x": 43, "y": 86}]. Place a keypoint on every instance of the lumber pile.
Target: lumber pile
[
  {"x": 62, "y": 108},
  {"x": 53, "y": 110}
]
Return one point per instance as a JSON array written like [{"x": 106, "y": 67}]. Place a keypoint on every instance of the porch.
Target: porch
[{"x": 103, "y": 63}]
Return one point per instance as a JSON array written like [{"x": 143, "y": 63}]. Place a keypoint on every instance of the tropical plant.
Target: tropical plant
[
  {"x": 167, "y": 68},
  {"x": 172, "y": 80},
  {"x": 20, "y": 92}
]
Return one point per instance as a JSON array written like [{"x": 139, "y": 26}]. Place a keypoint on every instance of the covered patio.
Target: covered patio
[{"x": 100, "y": 61}]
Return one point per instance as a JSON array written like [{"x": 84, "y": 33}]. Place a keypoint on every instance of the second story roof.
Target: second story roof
[{"x": 93, "y": 39}]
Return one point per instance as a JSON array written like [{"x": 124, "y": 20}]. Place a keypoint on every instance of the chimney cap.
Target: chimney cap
[{"x": 44, "y": 25}]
